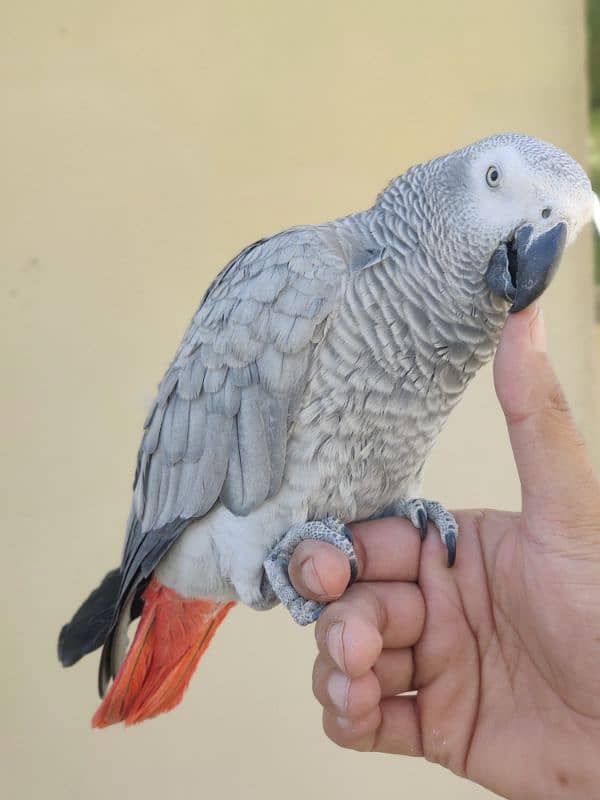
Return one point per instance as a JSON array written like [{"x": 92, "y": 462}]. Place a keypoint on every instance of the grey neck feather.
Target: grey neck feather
[
  {"x": 421, "y": 290},
  {"x": 416, "y": 220}
]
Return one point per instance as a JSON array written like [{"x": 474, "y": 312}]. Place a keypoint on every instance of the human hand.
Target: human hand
[{"x": 503, "y": 650}]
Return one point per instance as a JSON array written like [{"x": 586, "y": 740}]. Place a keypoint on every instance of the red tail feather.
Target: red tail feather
[{"x": 172, "y": 635}]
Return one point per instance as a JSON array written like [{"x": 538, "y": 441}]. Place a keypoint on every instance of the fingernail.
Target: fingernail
[
  {"x": 338, "y": 687},
  {"x": 335, "y": 643},
  {"x": 537, "y": 332},
  {"x": 310, "y": 578}
]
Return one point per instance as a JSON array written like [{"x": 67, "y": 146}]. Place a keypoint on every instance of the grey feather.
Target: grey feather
[
  {"x": 211, "y": 469},
  {"x": 264, "y": 287},
  {"x": 277, "y": 427},
  {"x": 249, "y": 475},
  {"x": 197, "y": 430},
  {"x": 245, "y": 311},
  {"x": 151, "y": 494},
  {"x": 244, "y": 376},
  {"x": 230, "y": 396},
  {"x": 170, "y": 508},
  {"x": 166, "y": 470},
  {"x": 141, "y": 479},
  {"x": 191, "y": 379},
  {"x": 174, "y": 433},
  {"x": 152, "y": 435},
  {"x": 214, "y": 379}
]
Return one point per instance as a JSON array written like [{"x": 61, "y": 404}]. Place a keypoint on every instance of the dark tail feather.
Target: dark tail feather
[{"x": 92, "y": 622}]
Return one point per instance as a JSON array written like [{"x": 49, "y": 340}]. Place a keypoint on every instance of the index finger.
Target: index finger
[{"x": 386, "y": 550}]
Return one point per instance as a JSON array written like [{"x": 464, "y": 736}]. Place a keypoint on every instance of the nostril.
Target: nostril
[{"x": 546, "y": 212}]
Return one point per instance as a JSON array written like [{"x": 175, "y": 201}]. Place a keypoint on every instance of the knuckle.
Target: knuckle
[
  {"x": 556, "y": 399},
  {"x": 364, "y": 694},
  {"x": 333, "y": 730},
  {"x": 321, "y": 695},
  {"x": 368, "y": 605},
  {"x": 330, "y": 615},
  {"x": 342, "y": 732},
  {"x": 318, "y": 677},
  {"x": 362, "y": 597},
  {"x": 362, "y": 745}
]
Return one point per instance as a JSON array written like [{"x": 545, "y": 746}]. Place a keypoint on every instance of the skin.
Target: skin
[{"x": 503, "y": 650}]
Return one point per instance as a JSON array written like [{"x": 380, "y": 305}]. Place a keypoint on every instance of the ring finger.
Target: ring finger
[{"x": 353, "y": 698}]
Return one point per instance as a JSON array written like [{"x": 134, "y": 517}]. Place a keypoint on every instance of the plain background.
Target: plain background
[{"x": 142, "y": 145}]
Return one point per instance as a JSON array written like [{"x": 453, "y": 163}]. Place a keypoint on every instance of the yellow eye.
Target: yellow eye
[{"x": 492, "y": 177}]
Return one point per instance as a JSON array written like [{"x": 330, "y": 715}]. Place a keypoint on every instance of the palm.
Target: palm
[{"x": 502, "y": 660}]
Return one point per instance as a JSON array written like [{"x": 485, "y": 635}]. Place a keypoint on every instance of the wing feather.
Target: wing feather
[{"x": 218, "y": 428}]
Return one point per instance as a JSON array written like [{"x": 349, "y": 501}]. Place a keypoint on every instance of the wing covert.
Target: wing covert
[{"x": 218, "y": 427}]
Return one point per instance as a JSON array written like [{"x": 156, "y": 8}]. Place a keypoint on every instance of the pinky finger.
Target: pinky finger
[
  {"x": 354, "y": 734},
  {"x": 392, "y": 727}
]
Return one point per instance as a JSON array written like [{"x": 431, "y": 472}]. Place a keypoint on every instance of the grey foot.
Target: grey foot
[
  {"x": 420, "y": 511},
  {"x": 329, "y": 530}
]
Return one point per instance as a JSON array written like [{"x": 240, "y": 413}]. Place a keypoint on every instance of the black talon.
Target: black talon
[
  {"x": 353, "y": 574},
  {"x": 422, "y": 517},
  {"x": 451, "y": 545},
  {"x": 353, "y": 565}
]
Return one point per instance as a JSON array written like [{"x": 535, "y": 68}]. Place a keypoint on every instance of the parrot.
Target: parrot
[{"x": 308, "y": 392}]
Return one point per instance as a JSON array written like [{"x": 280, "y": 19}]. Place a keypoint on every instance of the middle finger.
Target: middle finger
[{"x": 370, "y": 616}]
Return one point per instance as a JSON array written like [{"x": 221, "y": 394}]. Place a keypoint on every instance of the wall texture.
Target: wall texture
[{"x": 144, "y": 143}]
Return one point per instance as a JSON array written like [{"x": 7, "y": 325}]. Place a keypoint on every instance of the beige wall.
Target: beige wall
[{"x": 142, "y": 144}]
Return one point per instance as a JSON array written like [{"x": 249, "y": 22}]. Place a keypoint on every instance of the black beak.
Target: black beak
[{"x": 520, "y": 269}]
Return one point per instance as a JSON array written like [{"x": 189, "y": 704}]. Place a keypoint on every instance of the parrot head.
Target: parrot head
[{"x": 516, "y": 203}]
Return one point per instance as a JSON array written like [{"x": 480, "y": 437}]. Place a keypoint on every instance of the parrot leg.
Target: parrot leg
[
  {"x": 329, "y": 530},
  {"x": 420, "y": 511}
]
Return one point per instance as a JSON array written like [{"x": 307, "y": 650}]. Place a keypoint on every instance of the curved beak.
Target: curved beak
[{"x": 521, "y": 269}]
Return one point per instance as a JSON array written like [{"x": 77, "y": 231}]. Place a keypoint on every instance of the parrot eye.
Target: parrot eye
[{"x": 492, "y": 177}]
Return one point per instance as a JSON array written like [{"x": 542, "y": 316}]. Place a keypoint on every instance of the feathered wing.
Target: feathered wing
[{"x": 217, "y": 431}]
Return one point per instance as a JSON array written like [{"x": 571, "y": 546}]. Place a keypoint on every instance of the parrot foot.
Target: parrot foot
[
  {"x": 420, "y": 511},
  {"x": 328, "y": 530}
]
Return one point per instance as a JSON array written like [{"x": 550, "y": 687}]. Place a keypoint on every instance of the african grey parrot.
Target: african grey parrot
[{"x": 308, "y": 392}]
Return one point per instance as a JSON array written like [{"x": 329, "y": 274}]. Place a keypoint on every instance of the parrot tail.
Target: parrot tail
[{"x": 171, "y": 637}]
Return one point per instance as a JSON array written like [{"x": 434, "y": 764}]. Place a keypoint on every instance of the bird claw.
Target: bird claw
[
  {"x": 422, "y": 520},
  {"x": 451, "y": 546},
  {"x": 276, "y": 564},
  {"x": 419, "y": 511}
]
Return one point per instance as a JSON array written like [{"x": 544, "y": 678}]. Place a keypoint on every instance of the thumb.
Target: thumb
[{"x": 557, "y": 477}]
